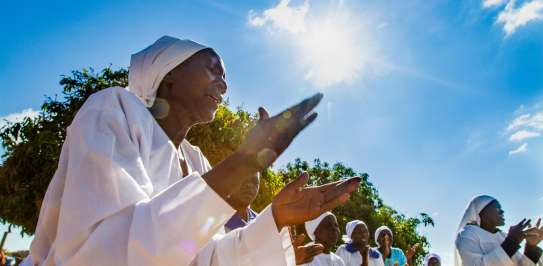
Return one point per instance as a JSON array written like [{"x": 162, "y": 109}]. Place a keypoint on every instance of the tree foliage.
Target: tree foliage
[{"x": 32, "y": 148}]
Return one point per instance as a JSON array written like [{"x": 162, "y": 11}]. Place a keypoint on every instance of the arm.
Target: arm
[
  {"x": 108, "y": 194},
  {"x": 470, "y": 254},
  {"x": 256, "y": 244}
]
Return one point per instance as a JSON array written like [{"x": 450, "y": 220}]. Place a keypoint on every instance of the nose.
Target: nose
[{"x": 223, "y": 87}]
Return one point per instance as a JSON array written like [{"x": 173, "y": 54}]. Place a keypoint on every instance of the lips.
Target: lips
[{"x": 214, "y": 99}]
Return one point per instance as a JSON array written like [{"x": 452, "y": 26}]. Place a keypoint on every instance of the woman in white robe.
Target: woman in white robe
[
  {"x": 356, "y": 251},
  {"x": 130, "y": 190},
  {"x": 479, "y": 242},
  {"x": 324, "y": 230}
]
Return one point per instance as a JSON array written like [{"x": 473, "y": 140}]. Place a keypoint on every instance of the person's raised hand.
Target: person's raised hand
[
  {"x": 534, "y": 235},
  {"x": 305, "y": 253},
  {"x": 272, "y": 135},
  {"x": 516, "y": 232},
  {"x": 411, "y": 251},
  {"x": 295, "y": 204}
]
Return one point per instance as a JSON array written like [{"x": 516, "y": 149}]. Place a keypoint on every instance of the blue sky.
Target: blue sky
[{"x": 437, "y": 100}]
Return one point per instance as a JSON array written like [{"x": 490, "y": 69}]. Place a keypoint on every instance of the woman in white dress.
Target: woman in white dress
[
  {"x": 432, "y": 259},
  {"x": 324, "y": 230},
  {"x": 479, "y": 242},
  {"x": 356, "y": 251}
]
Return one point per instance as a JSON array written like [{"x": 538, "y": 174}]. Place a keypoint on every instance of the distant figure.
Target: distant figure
[
  {"x": 356, "y": 251},
  {"x": 392, "y": 256},
  {"x": 324, "y": 230},
  {"x": 480, "y": 243},
  {"x": 432, "y": 259}
]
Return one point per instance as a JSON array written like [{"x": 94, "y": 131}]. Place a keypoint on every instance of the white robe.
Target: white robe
[
  {"x": 118, "y": 196},
  {"x": 326, "y": 260},
  {"x": 478, "y": 247},
  {"x": 355, "y": 259}
]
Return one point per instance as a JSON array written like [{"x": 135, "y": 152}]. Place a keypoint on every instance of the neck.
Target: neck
[
  {"x": 176, "y": 125},
  {"x": 243, "y": 214},
  {"x": 489, "y": 227},
  {"x": 385, "y": 251}
]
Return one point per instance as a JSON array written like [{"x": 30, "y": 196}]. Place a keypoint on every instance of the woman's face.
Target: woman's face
[
  {"x": 385, "y": 239},
  {"x": 493, "y": 214},
  {"x": 360, "y": 235},
  {"x": 327, "y": 232},
  {"x": 195, "y": 87}
]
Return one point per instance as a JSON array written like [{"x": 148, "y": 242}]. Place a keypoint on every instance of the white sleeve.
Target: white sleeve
[
  {"x": 258, "y": 243},
  {"x": 521, "y": 259},
  {"x": 107, "y": 216},
  {"x": 471, "y": 255}
]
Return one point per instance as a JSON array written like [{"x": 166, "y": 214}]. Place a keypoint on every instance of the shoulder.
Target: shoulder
[
  {"x": 397, "y": 250},
  {"x": 374, "y": 253},
  {"x": 468, "y": 232}
]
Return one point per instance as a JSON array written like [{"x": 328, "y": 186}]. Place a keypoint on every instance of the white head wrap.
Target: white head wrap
[
  {"x": 429, "y": 256},
  {"x": 471, "y": 216},
  {"x": 475, "y": 206},
  {"x": 349, "y": 228},
  {"x": 381, "y": 229},
  {"x": 311, "y": 226},
  {"x": 149, "y": 66}
]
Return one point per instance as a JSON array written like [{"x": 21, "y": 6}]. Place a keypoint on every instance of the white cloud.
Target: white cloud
[
  {"x": 17, "y": 117},
  {"x": 493, "y": 3},
  {"x": 282, "y": 17},
  {"x": 523, "y": 134},
  {"x": 527, "y": 121},
  {"x": 514, "y": 17},
  {"x": 327, "y": 43},
  {"x": 521, "y": 149}
]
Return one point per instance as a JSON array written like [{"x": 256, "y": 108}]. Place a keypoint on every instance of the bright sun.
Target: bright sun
[{"x": 332, "y": 51}]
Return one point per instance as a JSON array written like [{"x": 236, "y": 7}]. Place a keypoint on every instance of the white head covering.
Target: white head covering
[
  {"x": 471, "y": 216},
  {"x": 349, "y": 228},
  {"x": 476, "y": 205},
  {"x": 429, "y": 256},
  {"x": 381, "y": 229},
  {"x": 149, "y": 66},
  {"x": 311, "y": 226}
]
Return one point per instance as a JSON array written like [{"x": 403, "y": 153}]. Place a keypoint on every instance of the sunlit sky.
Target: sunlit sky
[{"x": 437, "y": 100}]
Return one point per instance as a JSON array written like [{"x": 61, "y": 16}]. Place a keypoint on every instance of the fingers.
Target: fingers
[
  {"x": 298, "y": 241},
  {"x": 298, "y": 183},
  {"x": 305, "y": 106},
  {"x": 263, "y": 114},
  {"x": 334, "y": 202},
  {"x": 341, "y": 187},
  {"x": 521, "y": 223},
  {"x": 312, "y": 250}
]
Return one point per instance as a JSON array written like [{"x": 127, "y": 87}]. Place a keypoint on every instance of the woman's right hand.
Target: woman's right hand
[{"x": 272, "y": 135}]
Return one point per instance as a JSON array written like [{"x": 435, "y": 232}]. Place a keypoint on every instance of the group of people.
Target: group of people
[{"x": 131, "y": 190}]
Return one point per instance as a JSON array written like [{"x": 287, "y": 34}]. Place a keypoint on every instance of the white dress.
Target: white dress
[
  {"x": 478, "y": 247},
  {"x": 326, "y": 260},
  {"x": 118, "y": 196},
  {"x": 355, "y": 259}
]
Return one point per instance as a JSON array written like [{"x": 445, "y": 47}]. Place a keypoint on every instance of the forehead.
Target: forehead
[
  {"x": 383, "y": 233},
  {"x": 361, "y": 228}
]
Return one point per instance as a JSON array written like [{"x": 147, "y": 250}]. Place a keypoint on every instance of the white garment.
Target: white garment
[
  {"x": 475, "y": 206},
  {"x": 349, "y": 228},
  {"x": 149, "y": 66},
  {"x": 118, "y": 196},
  {"x": 478, "y": 247},
  {"x": 250, "y": 250},
  {"x": 326, "y": 260},
  {"x": 355, "y": 259},
  {"x": 311, "y": 226}
]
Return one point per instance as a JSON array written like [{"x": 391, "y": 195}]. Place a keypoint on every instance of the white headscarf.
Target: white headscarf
[
  {"x": 311, "y": 226},
  {"x": 429, "y": 256},
  {"x": 349, "y": 228},
  {"x": 475, "y": 206},
  {"x": 381, "y": 229},
  {"x": 471, "y": 216},
  {"x": 149, "y": 66}
]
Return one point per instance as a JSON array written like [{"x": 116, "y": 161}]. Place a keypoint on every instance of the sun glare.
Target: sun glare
[{"x": 332, "y": 52}]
